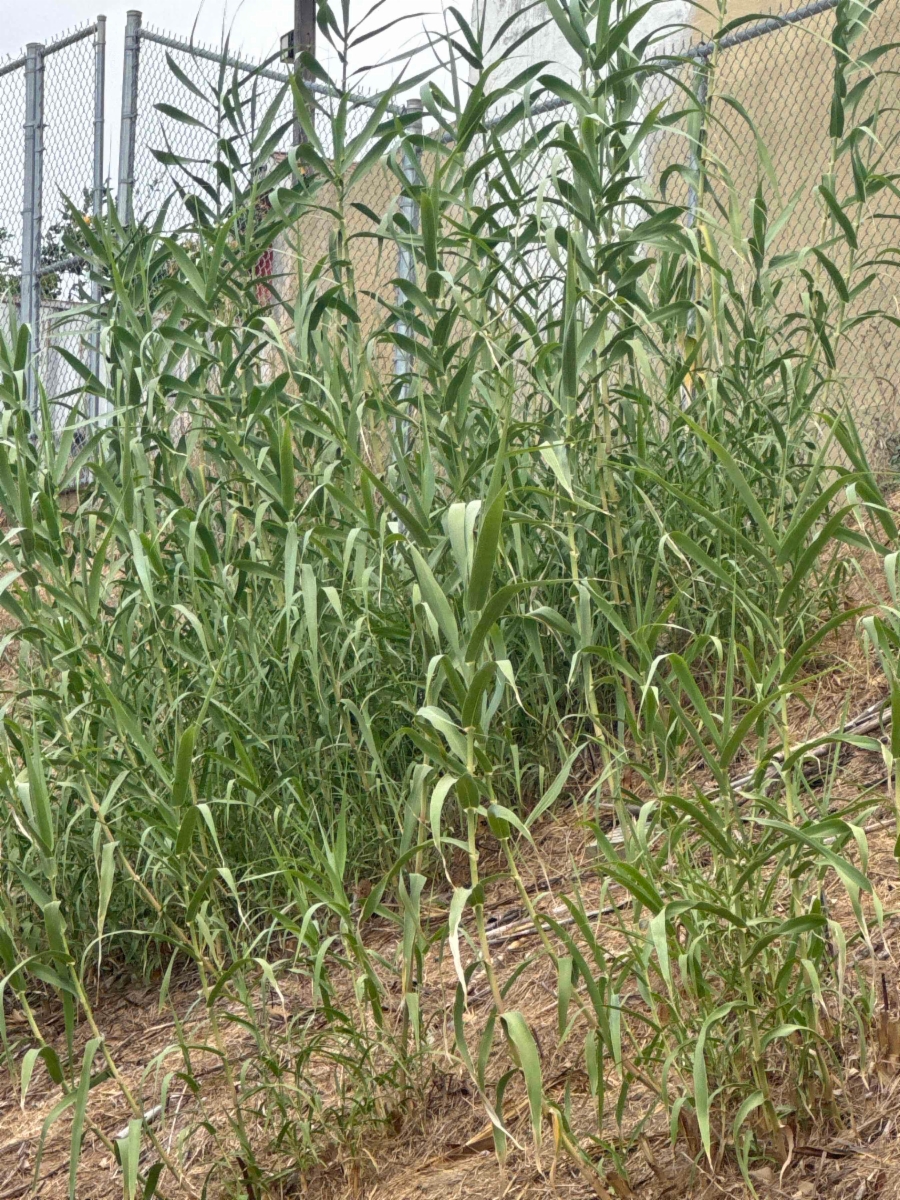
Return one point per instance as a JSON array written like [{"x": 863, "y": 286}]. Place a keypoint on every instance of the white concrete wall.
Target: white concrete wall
[{"x": 549, "y": 44}]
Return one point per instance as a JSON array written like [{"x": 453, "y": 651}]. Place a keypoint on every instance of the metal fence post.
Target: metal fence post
[
  {"x": 406, "y": 259},
  {"x": 99, "y": 131},
  {"x": 128, "y": 137},
  {"x": 304, "y": 40},
  {"x": 30, "y": 311},
  {"x": 695, "y": 188},
  {"x": 696, "y": 161}
]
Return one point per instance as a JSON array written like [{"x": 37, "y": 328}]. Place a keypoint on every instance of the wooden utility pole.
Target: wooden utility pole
[{"x": 304, "y": 40}]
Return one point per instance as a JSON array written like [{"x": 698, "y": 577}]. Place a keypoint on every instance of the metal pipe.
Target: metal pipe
[
  {"x": 705, "y": 50},
  {"x": 77, "y": 35},
  {"x": 61, "y": 265},
  {"x": 30, "y": 311},
  {"x": 406, "y": 258},
  {"x": 215, "y": 56},
  {"x": 127, "y": 139},
  {"x": 99, "y": 111},
  {"x": 696, "y": 163},
  {"x": 15, "y": 64},
  {"x": 304, "y": 40},
  {"x": 99, "y": 135},
  {"x": 750, "y": 32},
  {"x": 38, "y": 227}
]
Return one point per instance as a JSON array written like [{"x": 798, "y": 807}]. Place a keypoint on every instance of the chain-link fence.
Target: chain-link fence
[
  {"x": 783, "y": 79},
  {"x": 51, "y": 143},
  {"x": 765, "y": 91},
  {"x": 72, "y": 177},
  {"x": 12, "y": 116},
  {"x": 190, "y": 111},
  {"x": 756, "y": 119},
  {"x": 187, "y": 101}
]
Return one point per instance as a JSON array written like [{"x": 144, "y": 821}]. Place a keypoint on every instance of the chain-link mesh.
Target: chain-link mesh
[
  {"x": 62, "y": 158},
  {"x": 189, "y": 102},
  {"x": 195, "y": 107},
  {"x": 70, "y": 84},
  {"x": 69, "y": 87},
  {"x": 763, "y": 104},
  {"x": 784, "y": 83},
  {"x": 528, "y": 147},
  {"x": 12, "y": 155}
]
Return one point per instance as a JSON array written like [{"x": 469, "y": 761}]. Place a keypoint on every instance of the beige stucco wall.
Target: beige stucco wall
[
  {"x": 785, "y": 82},
  {"x": 373, "y": 260}
]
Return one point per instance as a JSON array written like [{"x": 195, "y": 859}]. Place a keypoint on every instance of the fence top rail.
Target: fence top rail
[
  {"x": 215, "y": 56},
  {"x": 239, "y": 64},
  {"x": 68, "y": 39},
  {"x": 62, "y": 264},
  {"x": 704, "y": 50},
  {"x": 14, "y": 64},
  {"x": 749, "y": 33}
]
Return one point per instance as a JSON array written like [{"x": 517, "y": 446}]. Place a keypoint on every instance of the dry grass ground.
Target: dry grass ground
[
  {"x": 433, "y": 1141},
  {"x": 437, "y": 1143}
]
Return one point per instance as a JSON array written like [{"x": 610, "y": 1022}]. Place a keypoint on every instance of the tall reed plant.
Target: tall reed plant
[{"x": 291, "y": 635}]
